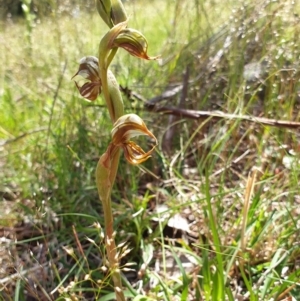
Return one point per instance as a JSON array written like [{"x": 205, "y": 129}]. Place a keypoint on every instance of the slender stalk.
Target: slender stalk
[
  {"x": 103, "y": 67},
  {"x": 112, "y": 94},
  {"x": 104, "y": 81},
  {"x": 105, "y": 177},
  {"x": 106, "y": 174}
]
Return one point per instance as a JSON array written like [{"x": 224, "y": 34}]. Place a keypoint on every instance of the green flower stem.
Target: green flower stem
[
  {"x": 111, "y": 91},
  {"x": 107, "y": 170},
  {"x": 115, "y": 96},
  {"x": 105, "y": 176},
  {"x": 104, "y": 81},
  {"x": 110, "y": 87}
]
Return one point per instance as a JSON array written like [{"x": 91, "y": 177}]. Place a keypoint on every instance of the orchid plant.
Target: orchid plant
[{"x": 100, "y": 79}]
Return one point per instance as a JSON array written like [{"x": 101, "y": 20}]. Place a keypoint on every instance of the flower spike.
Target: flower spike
[{"x": 98, "y": 78}]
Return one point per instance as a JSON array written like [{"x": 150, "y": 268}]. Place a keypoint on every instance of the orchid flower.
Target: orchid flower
[
  {"x": 98, "y": 78},
  {"x": 125, "y": 128},
  {"x": 88, "y": 69}
]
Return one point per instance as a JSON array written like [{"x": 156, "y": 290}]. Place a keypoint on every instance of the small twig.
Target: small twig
[
  {"x": 165, "y": 95},
  {"x": 18, "y": 275},
  {"x": 79, "y": 245},
  {"x": 231, "y": 163},
  {"x": 132, "y": 94},
  {"x": 286, "y": 292},
  {"x": 4, "y": 142}
]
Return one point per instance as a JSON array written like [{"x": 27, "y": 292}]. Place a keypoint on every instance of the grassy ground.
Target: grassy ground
[{"x": 213, "y": 215}]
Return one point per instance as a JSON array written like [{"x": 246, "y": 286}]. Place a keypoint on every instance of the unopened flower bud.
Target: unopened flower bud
[
  {"x": 112, "y": 12},
  {"x": 118, "y": 13},
  {"x": 104, "y": 10}
]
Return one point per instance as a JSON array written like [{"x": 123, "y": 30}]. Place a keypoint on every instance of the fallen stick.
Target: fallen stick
[{"x": 193, "y": 114}]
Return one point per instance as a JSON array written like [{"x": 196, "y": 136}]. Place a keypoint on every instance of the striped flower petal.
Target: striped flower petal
[
  {"x": 127, "y": 127},
  {"x": 89, "y": 70}
]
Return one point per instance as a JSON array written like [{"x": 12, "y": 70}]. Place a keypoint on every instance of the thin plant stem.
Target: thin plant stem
[
  {"x": 105, "y": 86},
  {"x": 115, "y": 112},
  {"x": 109, "y": 174},
  {"x": 104, "y": 81}
]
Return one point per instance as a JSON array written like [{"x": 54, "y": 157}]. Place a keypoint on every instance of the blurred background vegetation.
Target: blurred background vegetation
[
  {"x": 184, "y": 215},
  {"x": 43, "y": 8}
]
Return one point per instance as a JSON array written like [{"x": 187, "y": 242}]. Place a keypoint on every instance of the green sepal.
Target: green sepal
[
  {"x": 118, "y": 13},
  {"x": 104, "y": 10}
]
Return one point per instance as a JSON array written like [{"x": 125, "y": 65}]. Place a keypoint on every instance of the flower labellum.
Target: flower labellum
[
  {"x": 88, "y": 69},
  {"x": 127, "y": 127}
]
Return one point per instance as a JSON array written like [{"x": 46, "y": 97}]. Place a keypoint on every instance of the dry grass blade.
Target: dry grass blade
[{"x": 248, "y": 194}]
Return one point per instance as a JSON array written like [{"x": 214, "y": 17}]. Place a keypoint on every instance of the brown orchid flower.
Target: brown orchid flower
[
  {"x": 89, "y": 69},
  {"x": 125, "y": 128}
]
